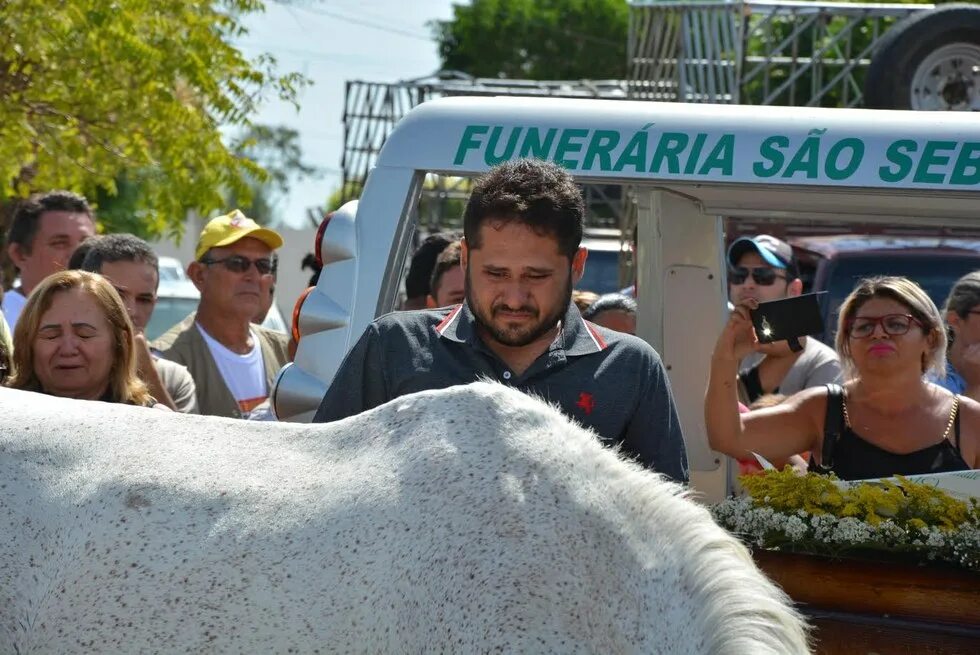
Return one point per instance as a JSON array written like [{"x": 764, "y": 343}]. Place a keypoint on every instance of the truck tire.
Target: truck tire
[{"x": 928, "y": 61}]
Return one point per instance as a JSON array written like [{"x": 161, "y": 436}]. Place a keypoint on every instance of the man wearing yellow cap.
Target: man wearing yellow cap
[{"x": 233, "y": 362}]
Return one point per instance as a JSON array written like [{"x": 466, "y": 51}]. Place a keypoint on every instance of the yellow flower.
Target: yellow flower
[{"x": 906, "y": 503}]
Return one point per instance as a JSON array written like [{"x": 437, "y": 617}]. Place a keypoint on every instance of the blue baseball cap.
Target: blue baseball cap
[{"x": 775, "y": 252}]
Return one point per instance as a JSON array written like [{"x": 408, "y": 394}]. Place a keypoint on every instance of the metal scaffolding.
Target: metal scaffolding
[{"x": 760, "y": 52}]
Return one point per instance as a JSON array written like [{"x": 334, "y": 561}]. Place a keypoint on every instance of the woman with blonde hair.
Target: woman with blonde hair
[
  {"x": 74, "y": 339},
  {"x": 887, "y": 418}
]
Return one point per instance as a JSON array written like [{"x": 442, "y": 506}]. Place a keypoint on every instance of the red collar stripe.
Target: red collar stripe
[
  {"x": 600, "y": 343},
  {"x": 446, "y": 322}
]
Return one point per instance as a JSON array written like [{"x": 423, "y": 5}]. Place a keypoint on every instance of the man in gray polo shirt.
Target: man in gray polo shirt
[{"x": 521, "y": 257}]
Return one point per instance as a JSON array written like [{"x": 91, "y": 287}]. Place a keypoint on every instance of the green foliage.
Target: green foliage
[
  {"x": 536, "y": 39},
  {"x": 124, "y": 100},
  {"x": 277, "y": 151},
  {"x": 348, "y": 191}
]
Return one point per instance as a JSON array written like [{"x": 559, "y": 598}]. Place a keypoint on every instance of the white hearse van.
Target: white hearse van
[{"x": 688, "y": 167}]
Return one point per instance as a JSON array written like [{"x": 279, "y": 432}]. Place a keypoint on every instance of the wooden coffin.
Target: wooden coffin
[{"x": 864, "y": 606}]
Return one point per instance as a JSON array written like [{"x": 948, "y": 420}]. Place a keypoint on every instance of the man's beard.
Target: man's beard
[{"x": 517, "y": 337}]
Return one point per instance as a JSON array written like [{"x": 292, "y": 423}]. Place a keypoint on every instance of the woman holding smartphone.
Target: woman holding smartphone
[{"x": 886, "y": 419}]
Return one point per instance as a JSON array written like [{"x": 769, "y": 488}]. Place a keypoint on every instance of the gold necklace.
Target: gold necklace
[{"x": 949, "y": 423}]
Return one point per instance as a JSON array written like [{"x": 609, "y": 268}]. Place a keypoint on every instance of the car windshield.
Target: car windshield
[
  {"x": 601, "y": 272},
  {"x": 168, "y": 313},
  {"x": 935, "y": 273}
]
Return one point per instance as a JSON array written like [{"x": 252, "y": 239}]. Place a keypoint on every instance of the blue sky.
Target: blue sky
[{"x": 330, "y": 42}]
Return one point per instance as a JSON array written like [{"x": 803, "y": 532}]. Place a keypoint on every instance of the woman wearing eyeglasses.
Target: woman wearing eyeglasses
[{"x": 887, "y": 418}]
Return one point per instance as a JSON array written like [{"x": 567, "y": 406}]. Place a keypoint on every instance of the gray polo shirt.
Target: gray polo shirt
[{"x": 611, "y": 382}]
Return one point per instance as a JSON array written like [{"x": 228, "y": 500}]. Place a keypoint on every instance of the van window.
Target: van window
[
  {"x": 601, "y": 272},
  {"x": 935, "y": 273}
]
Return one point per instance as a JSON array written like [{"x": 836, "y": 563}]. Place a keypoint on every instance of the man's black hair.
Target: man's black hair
[
  {"x": 447, "y": 260},
  {"x": 536, "y": 193},
  {"x": 616, "y": 302},
  {"x": 118, "y": 248},
  {"x": 23, "y": 226},
  {"x": 423, "y": 261},
  {"x": 309, "y": 262},
  {"x": 78, "y": 257}
]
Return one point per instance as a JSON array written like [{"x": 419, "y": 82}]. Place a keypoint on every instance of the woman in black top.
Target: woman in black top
[{"x": 887, "y": 419}]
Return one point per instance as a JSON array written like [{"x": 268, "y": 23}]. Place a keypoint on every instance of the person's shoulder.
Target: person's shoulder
[
  {"x": 620, "y": 343},
  {"x": 414, "y": 320},
  {"x": 275, "y": 336},
  {"x": 177, "y": 333},
  {"x": 969, "y": 412},
  {"x": 819, "y": 351},
  {"x": 169, "y": 368},
  {"x": 969, "y": 409}
]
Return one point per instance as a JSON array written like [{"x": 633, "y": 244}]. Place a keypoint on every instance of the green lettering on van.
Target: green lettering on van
[
  {"x": 634, "y": 154},
  {"x": 468, "y": 142},
  {"x": 601, "y": 146},
  {"x": 692, "y": 159},
  {"x": 932, "y": 157},
  {"x": 534, "y": 146},
  {"x": 898, "y": 155},
  {"x": 969, "y": 160},
  {"x": 832, "y": 168},
  {"x": 770, "y": 152},
  {"x": 569, "y": 142},
  {"x": 722, "y": 156},
  {"x": 669, "y": 148},
  {"x": 490, "y": 155},
  {"x": 806, "y": 160}
]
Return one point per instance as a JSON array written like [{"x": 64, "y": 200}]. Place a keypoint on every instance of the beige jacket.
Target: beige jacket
[{"x": 184, "y": 344}]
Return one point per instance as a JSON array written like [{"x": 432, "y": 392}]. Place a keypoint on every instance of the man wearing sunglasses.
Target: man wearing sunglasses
[
  {"x": 762, "y": 268},
  {"x": 233, "y": 362}
]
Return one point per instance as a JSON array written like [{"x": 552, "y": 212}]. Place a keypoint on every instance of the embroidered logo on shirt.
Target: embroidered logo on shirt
[{"x": 585, "y": 402}]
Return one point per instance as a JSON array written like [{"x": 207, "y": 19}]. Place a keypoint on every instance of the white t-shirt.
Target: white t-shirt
[
  {"x": 13, "y": 303},
  {"x": 244, "y": 374},
  {"x": 816, "y": 366}
]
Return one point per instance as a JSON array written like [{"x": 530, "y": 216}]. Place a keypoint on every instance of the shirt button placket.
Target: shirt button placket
[{"x": 507, "y": 375}]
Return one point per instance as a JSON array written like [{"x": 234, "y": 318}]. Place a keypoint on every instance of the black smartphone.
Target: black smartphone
[{"x": 788, "y": 319}]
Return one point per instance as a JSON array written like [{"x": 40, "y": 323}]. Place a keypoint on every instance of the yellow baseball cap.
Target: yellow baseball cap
[{"x": 226, "y": 230}]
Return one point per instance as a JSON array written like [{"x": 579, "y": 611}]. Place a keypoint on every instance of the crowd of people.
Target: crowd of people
[
  {"x": 898, "y": 392},
  {"x": 81, "y": 304}
]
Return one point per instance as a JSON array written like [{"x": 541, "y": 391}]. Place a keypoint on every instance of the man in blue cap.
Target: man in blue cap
[{"x": 762, "y": 268}]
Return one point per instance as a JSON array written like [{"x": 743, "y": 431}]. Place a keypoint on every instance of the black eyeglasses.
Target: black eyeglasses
[
  {"x": 240, "y": 264},
  {"x": 764, "y": 276},
  {"x": 895, "y": 325}
]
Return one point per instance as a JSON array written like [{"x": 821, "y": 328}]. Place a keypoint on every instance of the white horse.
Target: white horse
[{"x": 465, "y": 520}]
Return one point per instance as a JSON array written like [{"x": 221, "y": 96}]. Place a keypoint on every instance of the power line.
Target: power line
[
  {"x": 362, "y": 22},
  {"x": 345, "y": 59}
]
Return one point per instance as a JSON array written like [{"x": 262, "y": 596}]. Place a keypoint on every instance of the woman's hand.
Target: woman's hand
[{"x": 738, "y": 337}]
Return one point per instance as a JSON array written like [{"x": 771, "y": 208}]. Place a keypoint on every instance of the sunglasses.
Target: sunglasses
[
  {"x": 764, "y": 276},
  {"x": 240, "y": 264},
  {"x": 894, "y": 325}
]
